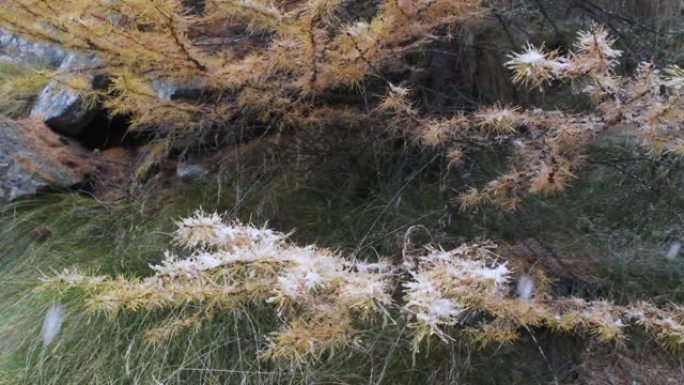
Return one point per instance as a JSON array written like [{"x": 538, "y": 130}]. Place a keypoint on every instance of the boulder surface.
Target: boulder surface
[
  {"x": 32, "y": 158},
  {"x": 62, "y": 108},
  {"x": 14, "y": 49}
]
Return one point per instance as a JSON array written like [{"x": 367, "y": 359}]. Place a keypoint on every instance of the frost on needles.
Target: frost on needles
[{"x": 323, "y": 301}]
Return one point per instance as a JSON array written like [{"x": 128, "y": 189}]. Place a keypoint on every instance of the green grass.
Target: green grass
[
  {"x": 607, "y": 221},
  {"x": 614, "y": 225},
  {"x": 92, "y": 349}
]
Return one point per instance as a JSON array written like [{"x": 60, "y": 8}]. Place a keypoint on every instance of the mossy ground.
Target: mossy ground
[{"x": 609, "y": 231}]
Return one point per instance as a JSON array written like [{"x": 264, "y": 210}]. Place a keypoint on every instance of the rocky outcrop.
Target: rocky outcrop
[
  {"x": 16, "y": 50},
  {"x": 33, "y": 158},
  {"x": 62, "y": 108},
  {"x": 168, "y": 90}
]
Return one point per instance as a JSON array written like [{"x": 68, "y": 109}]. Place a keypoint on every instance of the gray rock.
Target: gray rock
[
  {"x": 62, "y": 108},
  {"x": 16, "y": 50},
  {"x": 32, "y": 157},
  {"x": 168, "y": 90}
]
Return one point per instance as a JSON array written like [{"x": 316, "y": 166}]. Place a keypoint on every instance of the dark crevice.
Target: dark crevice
[{"x": 104, "y": 132}]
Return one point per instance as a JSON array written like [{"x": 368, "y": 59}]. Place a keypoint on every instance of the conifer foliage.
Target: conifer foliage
[
  {"x": 273, "y": 60},
  {"x": 324, "y": 301},
  {"x": 316, "y": 293},
  {"x": 275, "y": 57},
  {"x": 548, "y": 146}
]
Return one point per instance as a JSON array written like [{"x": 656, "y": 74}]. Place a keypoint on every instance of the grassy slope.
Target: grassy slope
[{"x": 610, "y": 224}]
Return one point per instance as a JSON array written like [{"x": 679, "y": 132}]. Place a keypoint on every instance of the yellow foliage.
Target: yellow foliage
[
  {"x": 547, "y": 147},
  {"x": 18, "y": 86},
  {"x": 280, "y": 50},
  {"x": 323, "y": 300}
]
